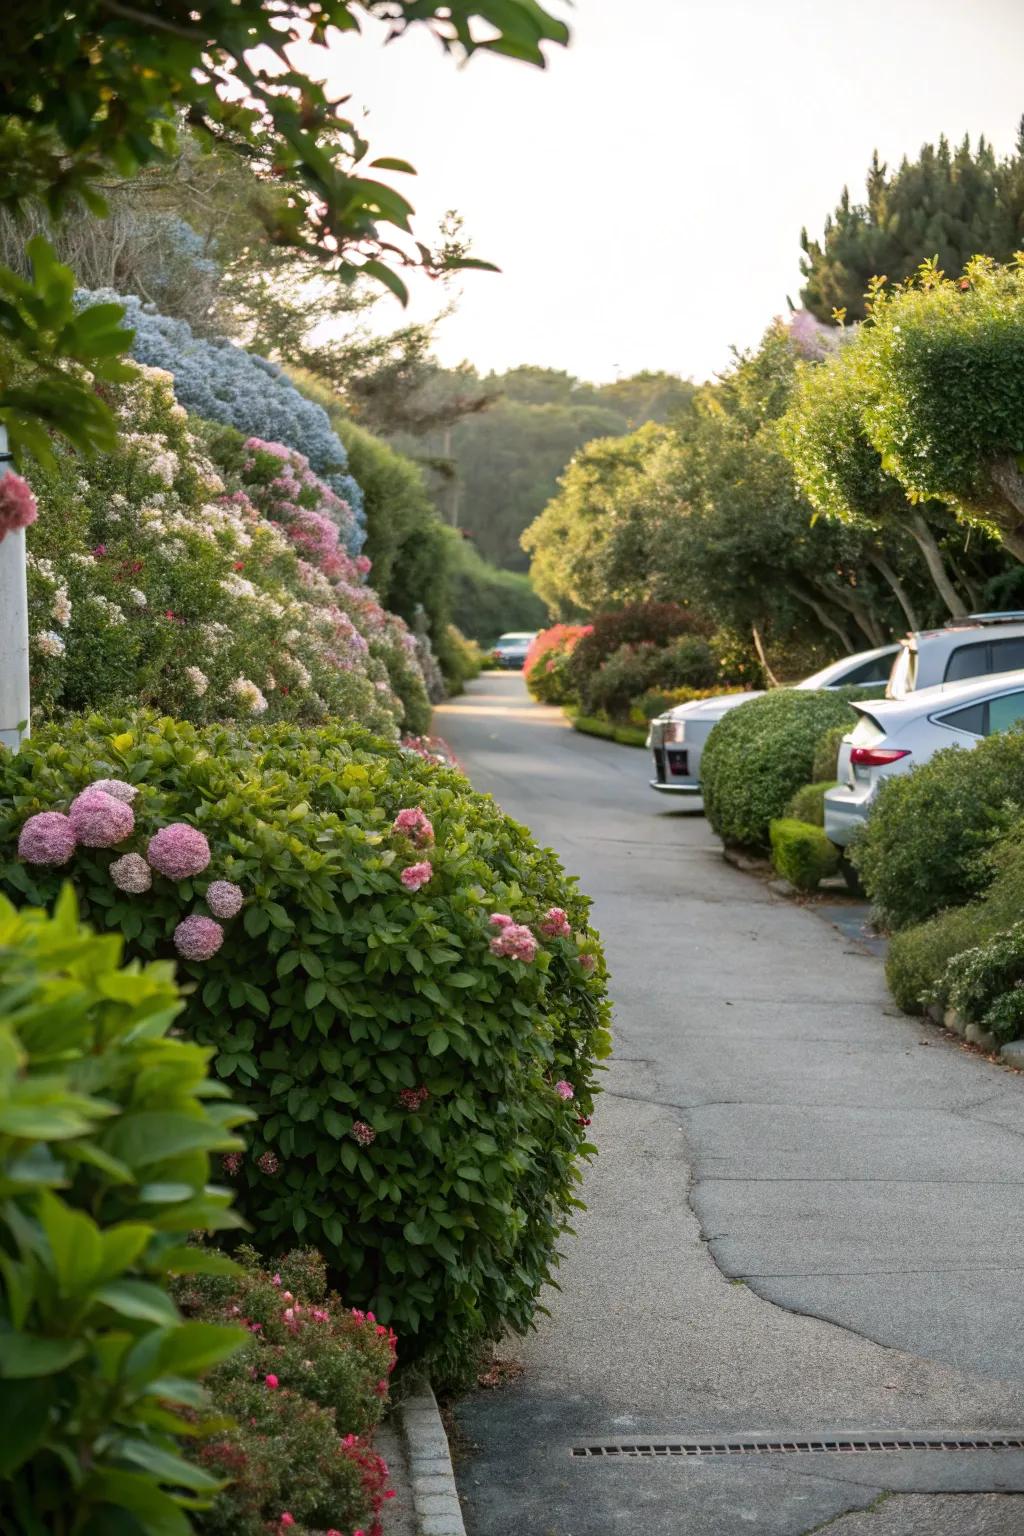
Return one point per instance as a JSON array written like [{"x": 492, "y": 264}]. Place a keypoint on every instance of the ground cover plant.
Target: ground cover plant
[
  {"x": 298, "y": 1402},
  {"x": 801, "y": 853},
  {"x": 760, "y": 754},
  {"x": 398, "y": 982},
  {"x": 210, "y": 590},
  {"x": 108, "y": 1125}
]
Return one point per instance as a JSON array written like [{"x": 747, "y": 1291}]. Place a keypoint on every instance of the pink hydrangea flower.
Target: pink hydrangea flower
[
  {"x": 224, "y": 898},
  {"x": 588, "y": 962},
  {"x": 565, "y": 1090},
  {"x": 500, "y": 920},
  {"x": 17, "y": 505},
  {"x": 515, "y": 942},
  {"x": 131, "y": 873},
  {"x": 363, "y": 564},
  {"x": 118, "y": 788},
  {"x": 197, "y": 938},
  {"x": 414, "y": 824},
  {"x": 99, "y": 820},
  {"x": 287, "y": 1519},
  {"x": 47, "y": 838},
  {"x": 555, "y": 924},
  {"x": 178, "y": 851},
  {"x": 415, "y": 876},
  {"x": 363, "y": 1133}
]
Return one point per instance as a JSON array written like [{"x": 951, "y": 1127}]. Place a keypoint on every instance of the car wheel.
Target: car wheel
[{"x": 850, "y": 875}]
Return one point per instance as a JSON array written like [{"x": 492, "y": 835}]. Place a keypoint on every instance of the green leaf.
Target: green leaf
[
  {"x": 138, "y": 1299},
  {"x": 24, "y": 1420},
  {"x": 24, "y": 1354},
  {"x": 437, "y": 1041}
]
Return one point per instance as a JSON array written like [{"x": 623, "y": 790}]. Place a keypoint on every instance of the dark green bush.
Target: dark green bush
[
  {"x": 986, "y": 984},
  {"x": 636, "y": 624},
  {"x": 826, "y": 754},
  {"x": 312, "y": 1374},
  {"x": 630, "y": 671},
  {"x": 802, "y": 854},
  {"x": 917, "y": 957},
  {"x": 403, "y": 1076},
  {"x": 759, "y": 755},
  {"x": 808, "y": 804},
  {"x": 107, "y": 1124},
  {"x": 924, "y": 844}
]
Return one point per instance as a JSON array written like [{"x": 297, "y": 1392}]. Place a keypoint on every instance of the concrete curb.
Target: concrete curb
[{"x": 435, "y": 1496}]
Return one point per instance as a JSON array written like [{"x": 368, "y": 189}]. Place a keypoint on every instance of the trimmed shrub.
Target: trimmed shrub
[
  {"x": 826, "y": 756},
  {"x": 628, "y": 673},
  {"x": 923, "y": 847},
  {"x": 421, "y": 1075},
  {"x": 802, "y": 854},
  {"x": 636, "y": 624},
  {"x": 107, "y": 1126},
  {"x": 808, "y": 804},
  {"x": 759, "y": 755},
  {"x": 986, "y": 984},
  {"x": 305, "y": 1394},
  {"x": 546, "y": 668},
  {"x": 658, "y": 701},
  {"x": 917, "y": 957}
]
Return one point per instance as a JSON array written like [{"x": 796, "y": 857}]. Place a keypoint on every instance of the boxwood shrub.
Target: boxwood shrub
[
  {"x": 107, "y": 1127},
  {"x": 802, "y": 854},
  {"x": 421, "y": 1100},
  {"x": 923, "y": 847},
  {"x": 986, "y": 984},
  {"x": 826, "y": 755},
  {"x": 808, "y": 804},
  {"x": 759, "y": 755}
]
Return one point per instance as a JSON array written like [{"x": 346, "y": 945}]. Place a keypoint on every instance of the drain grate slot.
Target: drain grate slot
[{"x": 851, "y": 1447}]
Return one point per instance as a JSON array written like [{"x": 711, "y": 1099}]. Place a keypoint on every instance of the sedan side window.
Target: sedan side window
[
  {"x": 1005, "y": 711},
  {"x": 971, "y": 718}
]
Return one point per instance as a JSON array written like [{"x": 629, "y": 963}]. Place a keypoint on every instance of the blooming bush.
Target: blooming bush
[
  {"x": 402, "y": 1070},
  {"x": 546, "y": 668},
  {"x": 152, "y": 580},
  {"x": 217, "y": 381},
  {"x": 628, "y": 673},
  {"x": 107, "y": 1127},
  {"x": 305, "y": 1394},
  {"x": 635, "y": 624}
]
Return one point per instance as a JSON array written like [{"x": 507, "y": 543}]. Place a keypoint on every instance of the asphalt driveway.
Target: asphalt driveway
[{"x": 805, "y": 1223}]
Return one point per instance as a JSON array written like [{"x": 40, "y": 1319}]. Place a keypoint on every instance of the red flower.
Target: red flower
[{"x": 272, "y": 1382}]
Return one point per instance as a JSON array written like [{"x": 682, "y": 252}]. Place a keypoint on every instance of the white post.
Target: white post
[{"x": 14, "y": 697}]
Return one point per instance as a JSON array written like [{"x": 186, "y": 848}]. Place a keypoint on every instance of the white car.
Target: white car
[
  {"x": 677, "y": 738},
  {"x": 895, "y": 735},
  {"x": 978, "y": 645},
  {"x": 510, "y": 649}
]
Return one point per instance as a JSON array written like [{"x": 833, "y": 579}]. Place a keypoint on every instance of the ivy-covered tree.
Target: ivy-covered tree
[{"x": 948, "y": 204}]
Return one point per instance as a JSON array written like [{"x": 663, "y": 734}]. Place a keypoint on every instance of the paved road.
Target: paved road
[{"x": 806, "y": 1218}]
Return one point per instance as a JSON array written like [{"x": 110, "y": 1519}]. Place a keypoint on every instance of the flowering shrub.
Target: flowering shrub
[
  {"x": 17, "y": 504},
  {"x": 107, "y": 1126},
  {"x": 545, "y": 669},
  {"x": 628, "y": 673},
  {"x": 305, "y": 1394},
  {"x": 402, "y": 1070},
  {"x": 219, "y": 382},
  {"x": 150, "y": 580}
]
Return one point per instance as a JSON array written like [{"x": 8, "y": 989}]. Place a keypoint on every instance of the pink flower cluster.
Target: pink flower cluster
[
  {"x": 47, "y": 838},
  {"x": 197, "y": 937},
  {"x": 17, "y": 505},
  {"x": 224, "y": 898},
  {"x": 565, "y": 1090},
  {"x": 363, "y": 1133},
  {"x": 415, "y": 876},
  {"x": 513, "y": 940},
  {"x": 178, "y": 851},
  {"x": 555, "y": 924},
  {"x": 99, "y": 817},
  {"x": 413, "y": 1098},
  {"x": 414, "y": 824},
  {"x": 99, "y": 820},
  {"x": 131, "y": 873}
]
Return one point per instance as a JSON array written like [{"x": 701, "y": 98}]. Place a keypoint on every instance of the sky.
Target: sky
[{"x": 644, "y": 194}]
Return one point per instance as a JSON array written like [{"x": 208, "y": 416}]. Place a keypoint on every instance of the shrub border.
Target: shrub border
[{"x": 624, "y": 735}]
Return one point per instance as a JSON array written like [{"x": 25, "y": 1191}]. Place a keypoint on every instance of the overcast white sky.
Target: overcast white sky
[{"x": 644, "y": 195}]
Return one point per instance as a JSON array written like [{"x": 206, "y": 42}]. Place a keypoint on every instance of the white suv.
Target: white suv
[{"x": 976, "y": 646}]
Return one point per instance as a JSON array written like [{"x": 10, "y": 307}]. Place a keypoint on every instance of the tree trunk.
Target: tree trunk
[
  {"x": 859, "y": 611},
  {"x": 772, "y": 680},
  {"x": 1008, "y": 480},
  {"x": 886, "y": 571},
  {"x": 824, "y": 618},
  {"x": 925, "y": 541}
]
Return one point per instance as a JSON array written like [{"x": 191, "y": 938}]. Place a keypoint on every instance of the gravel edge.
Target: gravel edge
[{"x": 435, "y": 1496}]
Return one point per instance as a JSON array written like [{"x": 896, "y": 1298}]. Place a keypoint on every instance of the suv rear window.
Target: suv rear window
[{"x": 986, "y": 656}]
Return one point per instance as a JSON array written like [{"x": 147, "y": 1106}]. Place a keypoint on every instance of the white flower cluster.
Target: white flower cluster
[{"x": 249, "y": 696}]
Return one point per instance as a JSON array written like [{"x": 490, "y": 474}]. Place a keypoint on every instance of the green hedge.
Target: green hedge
[
  {"x": 923, "y": 846},
  {"x": 625, "y": 735},
  {"x": 107, "y": 1126},
  {"x": 759, "y": 755},
  {"x": 986, "y": 984},
  {"x": 412, "y": 1088},
  {"x": 802, "y": 854},
  {"x": 826, "y": 754},
  {"x": 808, "y": 804}
]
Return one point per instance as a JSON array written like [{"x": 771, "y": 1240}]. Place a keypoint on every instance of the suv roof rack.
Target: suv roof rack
[{"x": 1008, "y": 616}]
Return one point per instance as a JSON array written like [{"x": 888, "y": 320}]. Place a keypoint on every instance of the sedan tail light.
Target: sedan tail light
[{"x": 877, "y": 757}]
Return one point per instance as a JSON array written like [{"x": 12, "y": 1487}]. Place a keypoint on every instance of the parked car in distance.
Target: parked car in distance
[
  {"x": 510, "y": 650},
  {"x": 976, "y": 646},
  {"x": 895, "y": 735},
  {"x": 677, "y": 737}
]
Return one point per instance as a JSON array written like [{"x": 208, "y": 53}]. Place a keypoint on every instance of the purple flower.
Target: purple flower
[
  {"x": 178, "y": 851},
  {"x": 17, "y": 508},
  {"x": 224, "y": 898},
  {"x": 197, "y": 938},
  {"x": 414, "y": 876},
  {"x": 131, "y": 873},
  {"x": 118, "y": 788},
  {"x": 99, "y": 820},
  {"x": 47, "y": 838}
]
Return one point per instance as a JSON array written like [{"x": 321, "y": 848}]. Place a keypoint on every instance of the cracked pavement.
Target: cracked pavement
[{"x": 804, "y": 1220}]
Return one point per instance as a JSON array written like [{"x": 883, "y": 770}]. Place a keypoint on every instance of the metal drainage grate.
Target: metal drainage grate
[{"x": 790, "y": 1447}]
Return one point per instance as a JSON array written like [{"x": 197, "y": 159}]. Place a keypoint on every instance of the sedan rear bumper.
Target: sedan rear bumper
[
  {"x": 846, "y": 811},
  {"x": 675, "y": 789}
]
